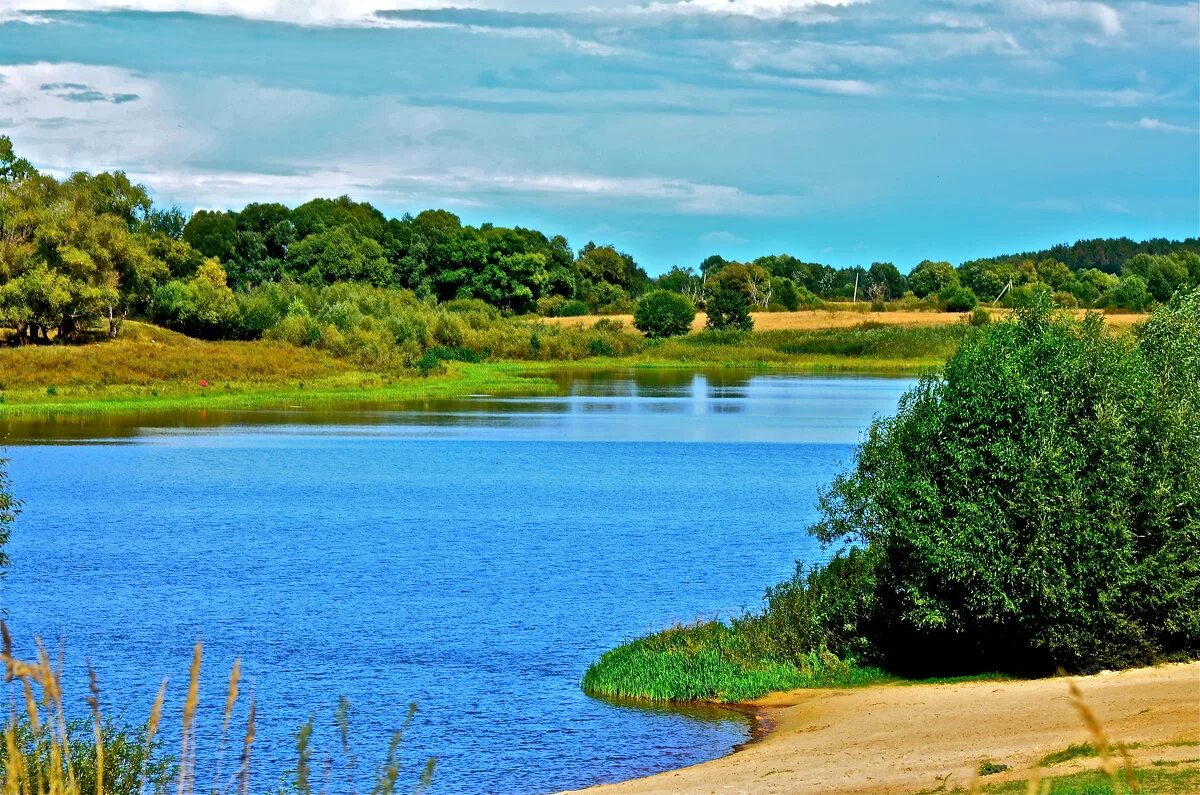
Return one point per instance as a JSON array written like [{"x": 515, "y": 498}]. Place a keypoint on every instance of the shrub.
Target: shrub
[
  {"x": 979, "y": 317},
  {"x": 573, "y": 308},
  {"x": 958, "y": 299},
  {"x": 661, "y": 313},
  {"x": 1016, "y": 505}
]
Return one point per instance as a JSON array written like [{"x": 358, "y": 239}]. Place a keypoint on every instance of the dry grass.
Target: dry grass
[
  {"x": 46, "y": 762},
  {"x": 145, "y": 355},
  {"x": 820, "y": 319}
]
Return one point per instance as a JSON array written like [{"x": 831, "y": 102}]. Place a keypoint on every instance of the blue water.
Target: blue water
[{"x": 473, "y": 556}]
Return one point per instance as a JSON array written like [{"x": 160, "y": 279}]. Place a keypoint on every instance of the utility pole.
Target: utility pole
[
  {"x": 856, "y": 275},
  {"x": 1007, "y": 287}
]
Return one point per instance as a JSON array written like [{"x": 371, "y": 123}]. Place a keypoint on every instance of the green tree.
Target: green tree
[
  {"x": 662, "y": 313},
  {"x": 212, "y": 233},
  {"x": 727, "y": 302},
  {"x": 931, "y": 277},
  {"x": 339, "y": 254},
  {"x": 1015, "y": 505},
  {"x": 203, "y": 306},
  {"x": 889, "y": 277},
  {"x": 1133, "y": 294},
  {"x": 785, "y": 294},
  {"x": 13, "y": 168}
]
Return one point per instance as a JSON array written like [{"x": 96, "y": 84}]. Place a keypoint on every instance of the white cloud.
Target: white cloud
[
  {"x": 298, "y": 12},
  {"x": 761, "y": 9},
  {"x": 820, "y": 85},
  {"x": 1153, "y": 125},
  {"x": 956, "y": 43},
  {"x": 813, "y": 57},
  {"x": 1102, "y": 17},
  {"x": 74, "y": 116}
]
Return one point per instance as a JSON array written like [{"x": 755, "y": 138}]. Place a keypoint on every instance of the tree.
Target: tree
[
  {"x": 203, "y": 306},
  {"x": 13, "y": 168},
  {"x": 662, "y": 313},
  {"x": 727, "y": 302},
  {"x": 1163, "y": 275},
  {"x": 340, "y": 254},
  {"x": 212, "y": 233},
  {"x": 1132, "y": 293},
  {"x": 931, "y": 277},
  {"x": 785, "y": 294},
  {"x": 888, "y": 276},
  {"x": 1014, "y": 506}
]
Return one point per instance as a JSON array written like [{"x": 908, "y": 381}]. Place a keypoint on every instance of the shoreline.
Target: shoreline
[
  {"x": 898, "y": 739},
  {"x": 462, "y": 380}
]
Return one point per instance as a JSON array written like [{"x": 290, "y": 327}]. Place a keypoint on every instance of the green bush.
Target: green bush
[
  {"x": 131, "y": 766},
  {"x": 661, "y": 313},
  {"x": 1038, "y": 504},
  {"x": 980, "y": 317},
  {"x": 958, "y": 299}
]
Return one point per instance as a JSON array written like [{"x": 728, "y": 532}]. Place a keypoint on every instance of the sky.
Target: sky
[{"x": 842, "y": 131}]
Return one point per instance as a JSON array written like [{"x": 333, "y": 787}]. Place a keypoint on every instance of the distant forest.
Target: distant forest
[{"x": 88, "y": 248}]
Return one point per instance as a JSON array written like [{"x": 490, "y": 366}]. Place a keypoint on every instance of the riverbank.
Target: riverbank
[
  {"x": 903, "y": 740},
  {"x": 152, "y": 369}
]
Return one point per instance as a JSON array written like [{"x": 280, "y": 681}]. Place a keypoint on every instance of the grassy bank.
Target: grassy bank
[
  {"x": 149, "y": 368},
  {"x": 712, "y": 662}
]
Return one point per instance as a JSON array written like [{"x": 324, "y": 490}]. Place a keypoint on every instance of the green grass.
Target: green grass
[
  {"x": 1078, "y": 751},
  {"x": 458, "y": 381},
  {"x": 1156, "y": 780},
  {"x": 710, "y": 662}
]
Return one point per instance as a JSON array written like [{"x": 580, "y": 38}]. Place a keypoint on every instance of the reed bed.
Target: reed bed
[{"x": 45, "y": 753}]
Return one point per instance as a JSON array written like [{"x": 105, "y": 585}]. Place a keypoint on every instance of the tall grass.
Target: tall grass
[
  {"x": 45, "y": 753},
  {"x": 714, "y": 662}
]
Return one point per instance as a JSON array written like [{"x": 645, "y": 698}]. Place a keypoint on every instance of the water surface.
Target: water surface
[{"x": 471, "y": 555}]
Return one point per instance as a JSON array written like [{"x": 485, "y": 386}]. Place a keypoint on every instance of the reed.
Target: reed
[{"x": 45, "y": 753}]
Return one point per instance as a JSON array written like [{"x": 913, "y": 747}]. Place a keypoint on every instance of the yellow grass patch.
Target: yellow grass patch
[{"x": 818, "y": 319}]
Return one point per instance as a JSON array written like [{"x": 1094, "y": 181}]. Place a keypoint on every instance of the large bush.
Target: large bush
[
  {"x": 661, "y": 313},
  {"x": 1037, "y": 504}
]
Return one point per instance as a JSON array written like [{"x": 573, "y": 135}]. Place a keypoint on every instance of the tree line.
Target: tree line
[{"x": 93, "y": 250}]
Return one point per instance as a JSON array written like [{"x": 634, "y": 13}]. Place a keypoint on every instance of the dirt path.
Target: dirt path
[{"x": 904, "y": 739}]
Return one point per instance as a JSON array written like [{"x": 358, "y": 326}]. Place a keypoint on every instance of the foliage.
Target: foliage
[
  {"x": 202, "y": 306},
  {"x": 44, "y": 752},
  {"x": 932, "y": 277},
  {"x": 661, "y": 313},
  {"x": 727, "y": 301},
  {"x": 958, "y": 299},
  {"x": 1017, "y": 502},
  {"x": 132, "y": 764}
]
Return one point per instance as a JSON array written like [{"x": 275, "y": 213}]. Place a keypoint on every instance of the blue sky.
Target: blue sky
[{"x": 845, "y": 131}]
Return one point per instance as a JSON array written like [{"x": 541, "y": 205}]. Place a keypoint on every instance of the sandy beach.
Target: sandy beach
[{"x": 898, "y": 739}]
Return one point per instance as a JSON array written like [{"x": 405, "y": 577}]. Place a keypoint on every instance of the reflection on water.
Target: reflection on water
[
  {"x": 723, "y": 405},
  {"x": 472, "y": 555}
]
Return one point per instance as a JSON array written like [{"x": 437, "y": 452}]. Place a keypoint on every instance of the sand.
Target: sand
[{"x": 897, "y": 739}]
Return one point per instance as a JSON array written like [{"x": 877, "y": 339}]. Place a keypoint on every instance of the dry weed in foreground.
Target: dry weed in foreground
[
  {"x": 1037, "y": 786},
  {"x": 41, "y": 748}
]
